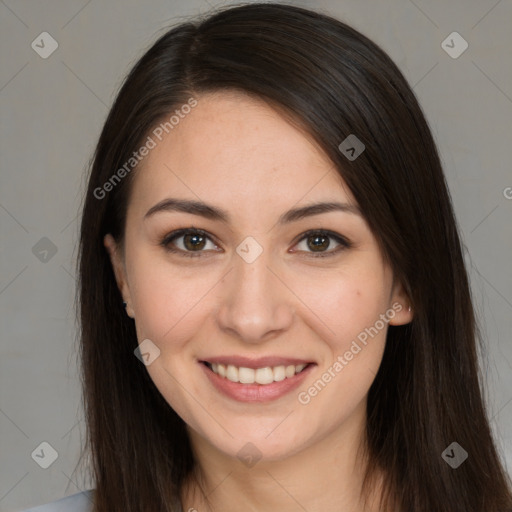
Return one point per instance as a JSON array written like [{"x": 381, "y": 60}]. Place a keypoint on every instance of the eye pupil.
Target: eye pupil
[
  {"x": 317, "y": 244},
  {"x": 197, "y": 241}
]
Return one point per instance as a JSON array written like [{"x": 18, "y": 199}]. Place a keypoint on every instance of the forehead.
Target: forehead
[{"x": 232, "y": 148}]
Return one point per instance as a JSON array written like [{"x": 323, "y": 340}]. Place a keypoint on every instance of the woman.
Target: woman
[{"x": 274, "y": 306}]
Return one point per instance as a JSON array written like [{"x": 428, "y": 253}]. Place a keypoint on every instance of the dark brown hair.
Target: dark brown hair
[{"x": 332, "y": 81}]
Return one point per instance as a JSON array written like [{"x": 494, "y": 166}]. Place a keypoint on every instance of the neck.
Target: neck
[{"x": 326, "y": 476}]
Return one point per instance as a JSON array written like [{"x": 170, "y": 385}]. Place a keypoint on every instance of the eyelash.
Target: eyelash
[{"x": 165, "y": 243}]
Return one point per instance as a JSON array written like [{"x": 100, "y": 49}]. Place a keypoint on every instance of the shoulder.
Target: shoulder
[{"x": 80, "y": 502}]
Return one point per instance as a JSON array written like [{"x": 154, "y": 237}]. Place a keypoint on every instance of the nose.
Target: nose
[{"x": 255, "y": 303}]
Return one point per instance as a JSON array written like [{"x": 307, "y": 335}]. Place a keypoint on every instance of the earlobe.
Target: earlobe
[
  {"x": 119, "y": 272},
  {"x": 401, "y": 305},
  {"x": 403, "y": 313}
]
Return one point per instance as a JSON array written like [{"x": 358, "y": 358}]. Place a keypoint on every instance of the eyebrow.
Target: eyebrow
[{"x": 214, "y": 213}]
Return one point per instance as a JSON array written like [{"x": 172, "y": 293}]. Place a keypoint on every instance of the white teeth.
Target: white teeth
[
  {"x": 246, "y": 375},
  {"x": 263, "y": 376},
  {"x": 232, "y": 373},
  {"x": 279, "y": 373},
  {"x": 290, "y": 371}
]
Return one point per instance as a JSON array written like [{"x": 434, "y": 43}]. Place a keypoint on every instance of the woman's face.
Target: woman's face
[{"x": 252, "y": 295}]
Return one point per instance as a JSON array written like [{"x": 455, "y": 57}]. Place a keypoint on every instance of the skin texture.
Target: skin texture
[{"x": 235, "y": 152}]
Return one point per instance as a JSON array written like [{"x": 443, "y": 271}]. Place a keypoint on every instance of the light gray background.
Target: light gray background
[{"x": 52, "y": 113}]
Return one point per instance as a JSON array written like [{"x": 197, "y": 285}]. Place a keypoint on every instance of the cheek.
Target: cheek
[
  {"x": 344, "y": 305},
  {"x": 169, "y": 306},
  {"x": 166, "y": 299},
  {"x": 347, "y": 311}
]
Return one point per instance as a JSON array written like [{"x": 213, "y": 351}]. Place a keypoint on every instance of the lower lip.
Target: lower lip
[{"x": 255, "y": 392}]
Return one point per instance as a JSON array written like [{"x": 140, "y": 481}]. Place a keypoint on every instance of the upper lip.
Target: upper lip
[{"x": 260, "y": 362}]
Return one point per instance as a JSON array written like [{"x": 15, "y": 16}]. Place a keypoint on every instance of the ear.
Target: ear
[
  {"x": 117, "y": 261},
  {"x": 401, "y": 304}
]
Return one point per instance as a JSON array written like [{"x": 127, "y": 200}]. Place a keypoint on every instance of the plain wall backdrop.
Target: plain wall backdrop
[{"x": 53, "y": 109}]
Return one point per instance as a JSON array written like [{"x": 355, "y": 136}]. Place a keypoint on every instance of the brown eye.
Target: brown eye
[
  {"x": 320, "y": 240},
  {"x": 194, "y": 241},
  {"x": 187, "y": 242}
]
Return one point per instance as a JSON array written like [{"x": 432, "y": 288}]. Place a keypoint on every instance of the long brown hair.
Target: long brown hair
[{"x": 332, "y": 81}]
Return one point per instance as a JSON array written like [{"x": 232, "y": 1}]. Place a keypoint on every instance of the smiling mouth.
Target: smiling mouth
[{"x": 263, "y": 376}]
